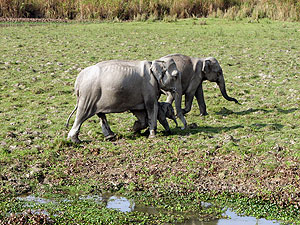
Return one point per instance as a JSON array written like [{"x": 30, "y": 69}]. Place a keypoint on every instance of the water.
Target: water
[
  {"x": 126, "y": 205},
  {"x": 233, "y": 219},
  {"x": 113, "y": 202},
  {"x": 34, "y": 199}
]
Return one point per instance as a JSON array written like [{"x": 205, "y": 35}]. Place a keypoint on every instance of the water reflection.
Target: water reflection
[
  {"x": 126, "y": 205},
  {"x": 244, "y": 220},
  {"x": 34, "y": 199},
  {"x": 233, "y": 219},
  {"x": 112, "y": 202},
  {"x": 120, "y": 203}
]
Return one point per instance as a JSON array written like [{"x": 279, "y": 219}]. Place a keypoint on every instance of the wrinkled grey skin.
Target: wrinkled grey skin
[
  {"x": 193, "y": 72},
  {"x": 117, "y": 86},
  {"x": 165, "y": 110}
]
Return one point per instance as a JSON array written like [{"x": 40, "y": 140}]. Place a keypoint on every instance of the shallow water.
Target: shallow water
[
  {"x": 34, "y": 199},
  {"x": 233, "y": 219},
  {"x": 126, "y": 205}
]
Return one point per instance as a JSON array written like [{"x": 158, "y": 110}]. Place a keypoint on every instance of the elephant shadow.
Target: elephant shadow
[
  {"x": 194, "y": 129},
  {"x": 225, "y": 112},
  {"x": 287, "y": 111},
  {"x": 270, "y": 126}
]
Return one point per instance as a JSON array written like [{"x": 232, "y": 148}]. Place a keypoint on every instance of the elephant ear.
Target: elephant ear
[
  {"x": 172, "y": 68},
  {"x": 197, "y": 66},
  {"x": 206, "y": 66},
  {"x": 158, "y": 69}
]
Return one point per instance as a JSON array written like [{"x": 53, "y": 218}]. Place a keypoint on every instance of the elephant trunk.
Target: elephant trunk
[{"x": 221, "y": 84}]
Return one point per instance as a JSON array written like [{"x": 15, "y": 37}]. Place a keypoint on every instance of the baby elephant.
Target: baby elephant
[{"x": 165, "y": 110}]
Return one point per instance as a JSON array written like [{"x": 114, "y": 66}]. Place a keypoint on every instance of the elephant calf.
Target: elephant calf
[
  {"x": 117, "y": 86},
  {"x": 165, "y": 110}
]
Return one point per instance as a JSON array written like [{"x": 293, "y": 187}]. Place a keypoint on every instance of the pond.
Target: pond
[{"x": 128, "y": 205}]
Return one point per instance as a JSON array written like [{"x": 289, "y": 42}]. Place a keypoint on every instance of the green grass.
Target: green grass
[{"x": 250, "y": 149}]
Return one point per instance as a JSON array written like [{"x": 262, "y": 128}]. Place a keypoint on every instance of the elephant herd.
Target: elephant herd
[{"x": 117, "y": 86}]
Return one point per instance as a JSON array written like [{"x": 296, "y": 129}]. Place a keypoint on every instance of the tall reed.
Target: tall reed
[{"x": 147, "y": 9}]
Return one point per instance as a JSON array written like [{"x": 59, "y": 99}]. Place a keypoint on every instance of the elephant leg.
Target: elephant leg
[
  {"x": 142, "y": 122},
  {"x": 82, "y": 115},
  {"x": 152, "y": 111},
  {"x": 180, "y": 115},
  {"x": 108, "y": 134},
  {"x": 179, "y": 111},
  {"x": 163, "y": 121},
  {"x": 170, "y": 113},
  {"x": 188, "y": 102},
  {"x": 201, "y": 101}
]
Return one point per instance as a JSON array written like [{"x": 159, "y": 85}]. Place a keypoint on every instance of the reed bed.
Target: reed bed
[{"x": 150, "y": 9}]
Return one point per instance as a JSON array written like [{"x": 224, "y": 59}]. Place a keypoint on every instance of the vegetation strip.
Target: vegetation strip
[{"x": 150, "y": 9}]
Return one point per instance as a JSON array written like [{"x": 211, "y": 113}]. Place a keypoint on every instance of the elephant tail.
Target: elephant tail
[
  {"x": 67, "y": 124},
  {"x": 76, "y": 107}
]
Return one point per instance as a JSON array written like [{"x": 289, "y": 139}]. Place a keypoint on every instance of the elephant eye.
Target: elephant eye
[{"x": 165, "y": 69}]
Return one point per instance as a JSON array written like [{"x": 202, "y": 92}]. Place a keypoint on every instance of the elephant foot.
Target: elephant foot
[
  {"x": 185, "y": 126},
  {"x": 204, "y": 114},
  {"x": 74, "y": 140},
  {"x": 110, "y": 137},
  {"x": 73, "y": 136},
  {"x": 138, "y": 126},
  {"x": 152, "y": 134},
  {"x": 185, "y": 111}
]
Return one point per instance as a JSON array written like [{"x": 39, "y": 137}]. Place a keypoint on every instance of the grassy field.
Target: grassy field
[{"x": 246, "y": 155}]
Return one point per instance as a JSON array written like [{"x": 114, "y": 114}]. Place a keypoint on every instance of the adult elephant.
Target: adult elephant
[
  {"x": 117, "y": 86},
  {"x": 193, "y": 72}
]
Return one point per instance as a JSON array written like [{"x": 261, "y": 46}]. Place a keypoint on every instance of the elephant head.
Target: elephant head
[
  {"x": 212, "y": 71},
  {"x": 166, "y": 74}
]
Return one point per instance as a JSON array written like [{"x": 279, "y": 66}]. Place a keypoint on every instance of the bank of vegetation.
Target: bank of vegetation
[{"x": 150, "y": 9}]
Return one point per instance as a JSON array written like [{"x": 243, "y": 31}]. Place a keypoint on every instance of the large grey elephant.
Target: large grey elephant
[
  {"x": 117, "y": 86},
  {"x": 193, "y": 72}
]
